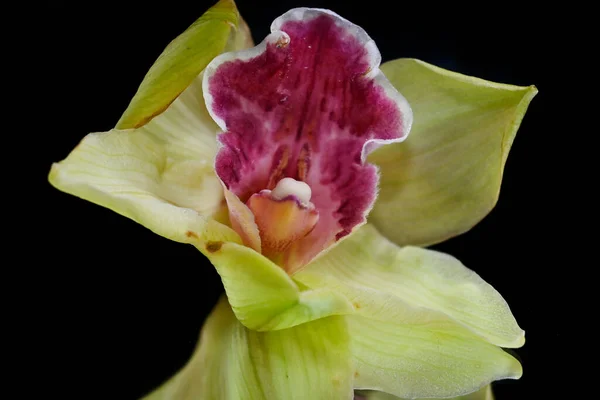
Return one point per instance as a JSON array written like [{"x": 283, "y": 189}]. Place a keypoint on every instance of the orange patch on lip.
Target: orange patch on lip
[{"x": 281, "y": 222}]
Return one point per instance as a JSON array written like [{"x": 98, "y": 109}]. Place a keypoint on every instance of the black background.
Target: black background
[{"x": 121, "y": 308}]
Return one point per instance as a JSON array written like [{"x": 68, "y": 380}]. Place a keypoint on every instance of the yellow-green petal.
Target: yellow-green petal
[
  {"x": 423, "y": 278},
  {"x": 159, "y": 175},
  {"x": 183, "y": 59},
  {"x": 446, "y": 176},
  {"x": 311, "y": 361},
  {"x": 262, "y": 294},
  {"x": 485, "y": 393},
  {"x": 413, "y": 352}
]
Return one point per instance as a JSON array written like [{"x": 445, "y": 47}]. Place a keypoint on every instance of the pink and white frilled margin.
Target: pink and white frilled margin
[{"x": 308, "y": 103}]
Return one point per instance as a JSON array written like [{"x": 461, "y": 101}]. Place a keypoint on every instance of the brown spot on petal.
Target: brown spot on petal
[
  {"x": 356, "y": 305},
  {"x": 212, "y": 247},
  {"x": 191, "y": 234},
  {"x": 356, "y": 374}
]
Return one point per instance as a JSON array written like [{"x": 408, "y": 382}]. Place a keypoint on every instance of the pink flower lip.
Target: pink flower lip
[{"x": 308, "y": 103}]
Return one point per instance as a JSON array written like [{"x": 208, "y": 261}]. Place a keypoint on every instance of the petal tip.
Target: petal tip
[
  {"x": 512, "y": 368},
  {"x": 519, "y": 341},
  {"x": 517, "y": 371},
  {"x": 55, "y": 177}
]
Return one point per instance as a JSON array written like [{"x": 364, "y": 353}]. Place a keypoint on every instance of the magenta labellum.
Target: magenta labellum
[{"x": 309, "y": 103}]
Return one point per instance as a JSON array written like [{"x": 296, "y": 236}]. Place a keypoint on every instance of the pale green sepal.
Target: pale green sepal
[
  {"x": 262, "y": 294},
  {"x": 160, "y": 175},
  {"x": 310, "y": 361},
  {"x": 137, "y": 175},
  {"x": 445, "y": 177},
  {"x": 181, "y": 62},
  {"x": 420, "y": 277},
  {"x": 485, "y": 393},
  {"x": 414, "y": 352}
]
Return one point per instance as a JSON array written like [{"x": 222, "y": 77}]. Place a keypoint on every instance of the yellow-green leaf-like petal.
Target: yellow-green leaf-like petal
[
  {"x": 419, "y": 277},
  {"x": 262, "y": 294},
  {"x": 413, "y": 352},
  {"x": 446, "y": 176},
  {"x": 183, "y": 59},
  {"x": 310, "y": 361},
  {"x": 485, "y": 393},
  {"x": 159, "y": 175}
]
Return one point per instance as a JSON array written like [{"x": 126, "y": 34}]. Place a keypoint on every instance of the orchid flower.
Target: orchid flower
[{"x": 289, "y": 165}]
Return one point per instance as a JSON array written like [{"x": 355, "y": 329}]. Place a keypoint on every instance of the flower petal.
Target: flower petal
[
  {"x": 422, "y": 278},
  {"x": 242, "y": 220},
  {"x": 161, "y": 174},
  {"x": 183, "y": 59},
  {"x": 416, "y": 352},
  {"x": 308, "y": 103},
  {"x": 485, "y": 393},
  {"x": 446, "y": 177},
  {"x": 263, "y": 296},
  {"x": 311, "y": 361}
]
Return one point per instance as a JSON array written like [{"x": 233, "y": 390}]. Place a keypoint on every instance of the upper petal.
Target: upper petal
[
  {"x": 183, "y": 59},
  {"x": 308, "y": 103},
  {"x": 446, "y": 177},
  {"x": 231, "y": 362}
]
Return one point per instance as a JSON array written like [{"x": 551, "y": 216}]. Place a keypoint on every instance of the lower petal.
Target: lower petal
[
  {"x": 263, "y": 296},
  {"x": 311, "y": 361},
  {"x": 366, "y": 261},
  {"x": 422, "y": 353}
]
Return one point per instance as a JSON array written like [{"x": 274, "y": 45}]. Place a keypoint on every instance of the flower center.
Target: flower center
[{"x": 283, "y": 216}]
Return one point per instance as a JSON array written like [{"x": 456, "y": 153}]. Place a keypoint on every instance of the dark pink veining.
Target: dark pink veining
[{"x": 304, "y": 110}]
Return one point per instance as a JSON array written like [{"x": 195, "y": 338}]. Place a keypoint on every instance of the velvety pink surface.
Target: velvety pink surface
[{"x": 304, "y": 109}]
